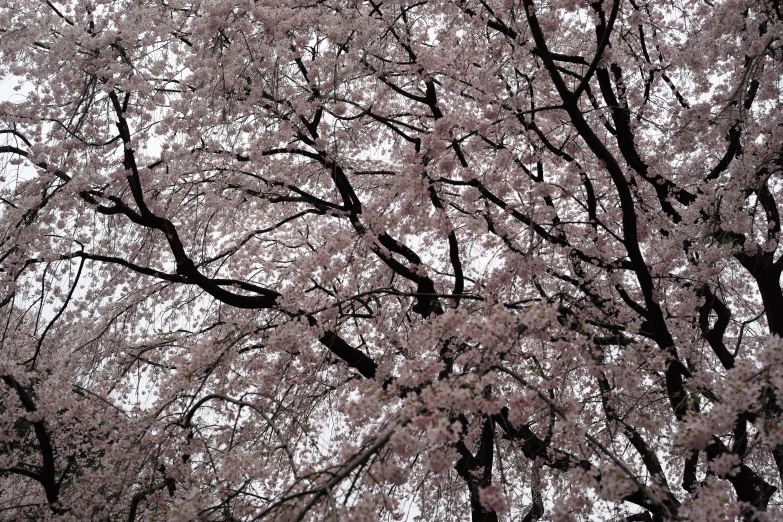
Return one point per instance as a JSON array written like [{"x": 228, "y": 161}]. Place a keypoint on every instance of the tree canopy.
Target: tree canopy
[{"x": 315, "y": 260}]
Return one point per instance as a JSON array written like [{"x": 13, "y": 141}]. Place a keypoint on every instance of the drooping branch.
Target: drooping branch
[{"x": 47, "y": 475}]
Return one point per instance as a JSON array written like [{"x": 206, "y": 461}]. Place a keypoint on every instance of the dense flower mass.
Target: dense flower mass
[{"x": 434, "y": 260}]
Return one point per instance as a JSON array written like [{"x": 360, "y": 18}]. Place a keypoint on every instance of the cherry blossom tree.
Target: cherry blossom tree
[{"x": 488, "y": 260}]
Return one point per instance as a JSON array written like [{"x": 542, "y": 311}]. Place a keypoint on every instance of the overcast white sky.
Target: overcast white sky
[{"x": 7, "y": 89}]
